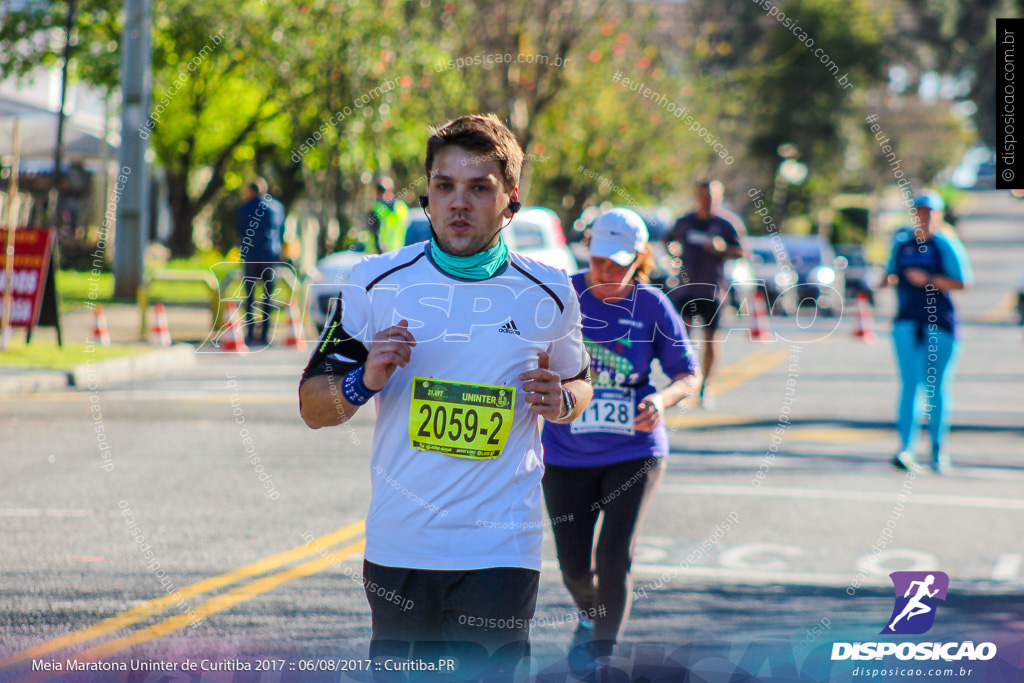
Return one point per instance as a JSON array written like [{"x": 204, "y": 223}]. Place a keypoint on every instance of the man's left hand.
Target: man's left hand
[{"x": 544, "y": 389}]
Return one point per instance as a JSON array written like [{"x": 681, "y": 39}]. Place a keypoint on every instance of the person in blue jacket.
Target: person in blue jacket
[
  {"x": 608, "y": 462},
  {"x": 260, "y": 224},
  {"x": 927, "y": 263}
]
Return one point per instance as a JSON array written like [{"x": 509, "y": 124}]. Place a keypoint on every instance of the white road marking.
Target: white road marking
[
  {"x": 759, "y": 556},
  {"x": 291, "y": 396},
  {"x": 43, "y": 512},
  {"x": 652, "y": 548},
  {"x": 878, "y": 564},
  {"x": 641, "y": 572},
  {"x": 837, "y": 494},
  {"x": 1007, "y": 567}
]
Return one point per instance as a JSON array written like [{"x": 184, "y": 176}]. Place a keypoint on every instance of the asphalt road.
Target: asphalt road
[{"x": 127, "y": 513}]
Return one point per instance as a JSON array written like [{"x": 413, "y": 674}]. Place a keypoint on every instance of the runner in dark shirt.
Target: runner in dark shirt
[{"x": 709, "y": 237}]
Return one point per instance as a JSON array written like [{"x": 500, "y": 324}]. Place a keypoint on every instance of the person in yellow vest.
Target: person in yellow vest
[{"x": 389, "y": 218}]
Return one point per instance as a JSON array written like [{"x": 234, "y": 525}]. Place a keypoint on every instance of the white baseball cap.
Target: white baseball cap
[{"x": 619, "y": 235}]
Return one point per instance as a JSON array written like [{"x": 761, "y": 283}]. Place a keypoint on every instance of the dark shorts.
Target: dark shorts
[
  {"x": 480, "y": 618},
  {"x": 701, "y": 312}
]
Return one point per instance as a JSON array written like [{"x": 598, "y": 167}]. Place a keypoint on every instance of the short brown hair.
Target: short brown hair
[{"x": 485, "y": 134}]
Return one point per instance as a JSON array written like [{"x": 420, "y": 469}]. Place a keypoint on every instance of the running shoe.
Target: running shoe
[
  {"x": 904, "y": 460},
  {"x": 941, "y": 463},
  {"x": 579, "y": 647},
  {"x": 707, "y": 401},
  {"x": 603, "y": 674}
]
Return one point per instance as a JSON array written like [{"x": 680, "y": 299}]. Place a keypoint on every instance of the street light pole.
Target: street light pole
[
  {"x": 132, "y": 227},
  {"x": 55, "y": 193}
]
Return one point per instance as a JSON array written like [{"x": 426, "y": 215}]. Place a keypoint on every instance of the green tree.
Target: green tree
[
  {"x": 33, "y": 36},
  {"x": 796, "y": 91},
  {"x": 956, "y": 39}
]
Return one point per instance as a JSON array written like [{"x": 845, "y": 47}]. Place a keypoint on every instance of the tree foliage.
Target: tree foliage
[{"x": 620, "y": 102}]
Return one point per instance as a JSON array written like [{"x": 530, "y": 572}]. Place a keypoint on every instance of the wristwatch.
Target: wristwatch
[{"x": 570, "y": 403}]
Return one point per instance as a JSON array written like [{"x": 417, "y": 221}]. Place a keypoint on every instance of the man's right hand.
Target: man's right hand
[
  {"x": 389, "y": 350},
  {"x": 716, "y": 245}
]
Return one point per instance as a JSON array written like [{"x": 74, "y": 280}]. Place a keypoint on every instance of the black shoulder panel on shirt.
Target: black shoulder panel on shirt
[
  {"x": 583, "y": 374},
  {"x": 561, "y": 306},
  {"x": 337, "y": 352},
  {"x": 394, "y": 270}
]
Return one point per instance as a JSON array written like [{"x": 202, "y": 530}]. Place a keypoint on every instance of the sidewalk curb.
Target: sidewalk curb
[
  {"x": 92, "y": 375},
  {"x": 131, "y": 368},
  {"x": 34, "y": 382}
]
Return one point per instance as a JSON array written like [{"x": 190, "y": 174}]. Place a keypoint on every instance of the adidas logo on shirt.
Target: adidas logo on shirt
[{"x": 509, "y": 328}]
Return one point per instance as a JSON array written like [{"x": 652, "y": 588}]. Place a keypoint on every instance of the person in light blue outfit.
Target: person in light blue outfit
[{"x": 927, "y": 263}]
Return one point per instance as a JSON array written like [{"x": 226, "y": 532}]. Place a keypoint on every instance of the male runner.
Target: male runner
[
  {"x": 710, "y": 237},
  {"x": 462, "y": 345}
]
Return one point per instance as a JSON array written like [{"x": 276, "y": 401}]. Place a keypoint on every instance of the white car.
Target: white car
[
  {"x": 535, "y": 232},
  {"x": 774, "y": 277}
]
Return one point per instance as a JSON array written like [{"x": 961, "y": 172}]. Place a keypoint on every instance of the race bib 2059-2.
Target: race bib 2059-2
[{"x": 460, "y": 419}]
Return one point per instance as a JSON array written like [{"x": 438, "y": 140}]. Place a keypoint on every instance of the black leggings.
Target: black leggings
[{"x": 575, "y": 496}]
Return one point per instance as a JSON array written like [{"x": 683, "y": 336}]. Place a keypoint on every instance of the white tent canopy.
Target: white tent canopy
[{"x": 39, "y": 133}]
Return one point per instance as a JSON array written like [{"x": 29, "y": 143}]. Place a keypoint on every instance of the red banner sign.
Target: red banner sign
[{"x": 32, "y": 248}]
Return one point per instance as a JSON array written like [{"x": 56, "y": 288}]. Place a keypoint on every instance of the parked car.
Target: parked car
[
  {"x": 774, "y": 277},
  {"x": 419, "y": 227},
  {"x": 820, "y": 274},
  {"x": 861, "y": 276},
  {"x": 659, "y": 221},
  {"x": 742, "y": 282},
  {"x": 986, "y": 178},
  {"x": 535, "y": 232},
  {"x": 323, "y": 283}
]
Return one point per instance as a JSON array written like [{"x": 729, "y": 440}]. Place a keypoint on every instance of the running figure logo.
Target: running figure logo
[{"x": 914, "y": 612}]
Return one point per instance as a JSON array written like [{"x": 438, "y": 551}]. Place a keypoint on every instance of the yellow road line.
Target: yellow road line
[
  {"x": 750, "y": 369},
  {"x": 733, "y": 368},
  {"x": 158, "y": 605},
  {"x": 729, "y": 378},
  {"x": 219, "y": 603},
  {"x": 692, "y": 421}
]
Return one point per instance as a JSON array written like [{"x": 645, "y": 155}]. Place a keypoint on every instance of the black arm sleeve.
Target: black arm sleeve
[
  {"x": 583, "y": 374},
  {"x": 336, "y": 353}
]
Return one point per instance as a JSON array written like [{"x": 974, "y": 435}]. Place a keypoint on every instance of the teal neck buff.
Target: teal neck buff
[{"x": 479, "y": 266}]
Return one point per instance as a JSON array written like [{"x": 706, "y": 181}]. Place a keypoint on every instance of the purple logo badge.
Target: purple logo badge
[{"x": 917, "y": 594}]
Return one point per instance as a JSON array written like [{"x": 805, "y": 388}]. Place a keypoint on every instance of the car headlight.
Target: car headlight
[
  {"x": 785, "y": 278},
  {"x": 825, "y": 276}
]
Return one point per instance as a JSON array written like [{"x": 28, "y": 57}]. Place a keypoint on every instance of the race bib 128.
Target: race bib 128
[{"x": 612, "y": 411}]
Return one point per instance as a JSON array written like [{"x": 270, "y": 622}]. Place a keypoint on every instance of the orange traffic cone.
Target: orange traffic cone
[
  {"x": 100, "y": 335},
  {"x": 231, "y": 339},
  {"x": 294, "y": 330},
  {"x": 759, "y": 328},
  {"x": 865, "y": 323},
  {"x": 160, "y": 333}
]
